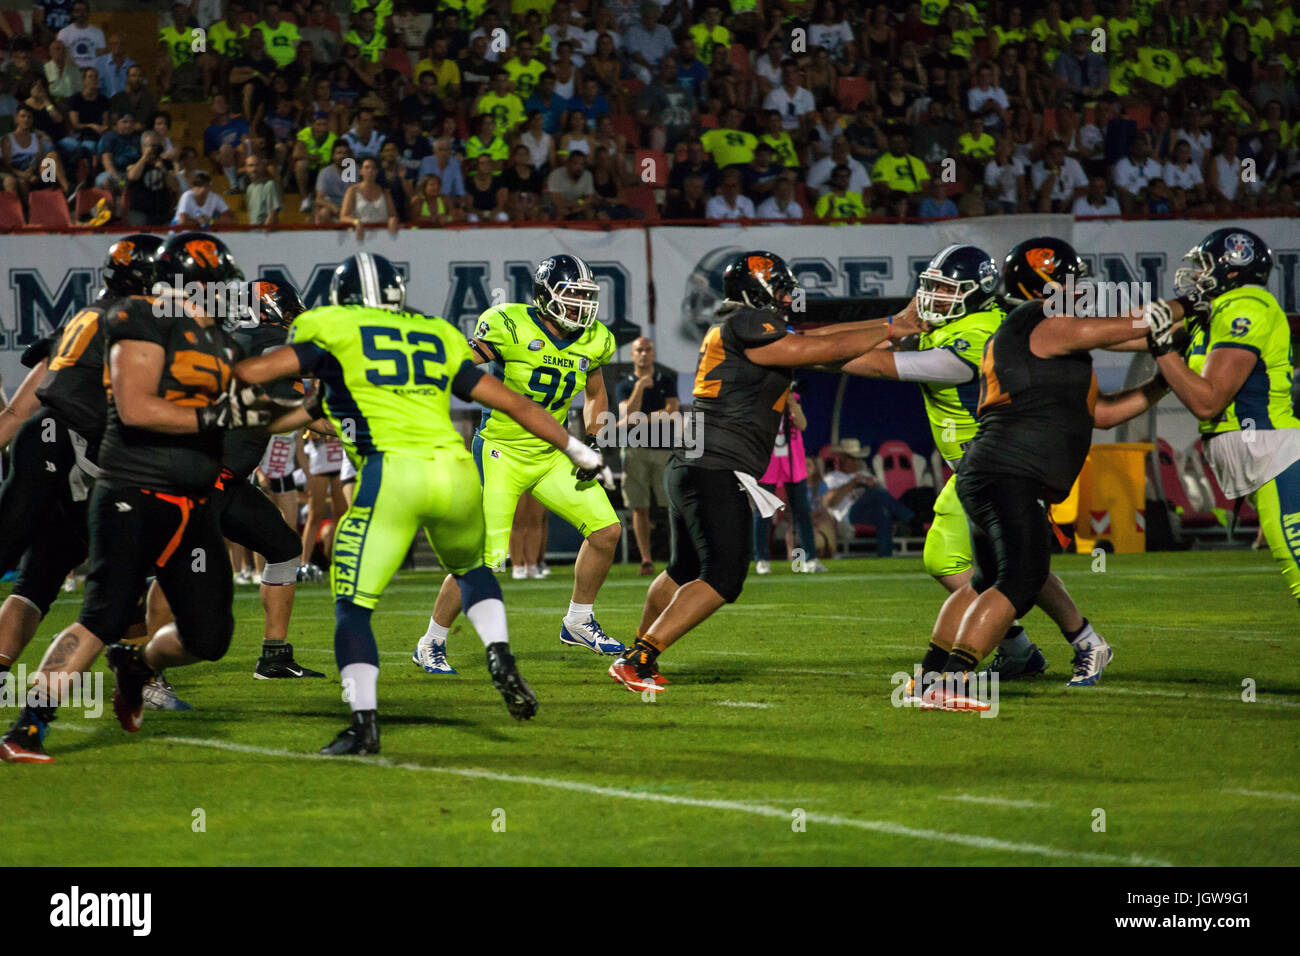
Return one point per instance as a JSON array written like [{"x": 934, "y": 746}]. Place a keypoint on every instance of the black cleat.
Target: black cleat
[
  {"x": 510, "y": 684},
  {"x": 361, "y": 738},
  {"x": 159, "y": 694},
  {"x": 131, "y": 674},
  {"x": 281, "y": 664},
  {"x": 24, "y": 742}
]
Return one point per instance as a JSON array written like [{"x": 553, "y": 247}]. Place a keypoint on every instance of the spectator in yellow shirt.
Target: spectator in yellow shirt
[
  {"x": 898, "y": 170},
  {"x": 281, "y": 36},
  {"x": 838, "y": 202},
  {"x": 366, "y": 37},
  {"x": 524, "y": 69},
  {"x": 505, "y": 107},
  {"x": 710, "y": 33},
  {"x": 1121, "y": 26},
  {"x": 729, "y": 144},
  {"x": 780, "y": 141},
  {"x": 1205, "y": 63},
  {"x": 444, "y": 69},
  {"x": 1157, "y": 63}
]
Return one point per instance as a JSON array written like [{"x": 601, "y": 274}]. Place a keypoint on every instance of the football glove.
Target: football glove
[
  {"x": 236, "y": 408},
  {"x": 1160, "y": 328},
  {"x": 586, "y": 456}
]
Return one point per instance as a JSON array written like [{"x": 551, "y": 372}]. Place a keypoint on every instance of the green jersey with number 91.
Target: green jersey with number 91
[
  {"x": 388, "y": 376},
  {"x": 533, "y": 362}
]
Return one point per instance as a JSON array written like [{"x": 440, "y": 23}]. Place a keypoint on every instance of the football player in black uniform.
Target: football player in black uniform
[
  {"x": 246, "y": 515},
  {"x": 1037, "y": 409},
  {"x": 742, "y": 381},
  {"x": 43, "y": 501},
  {"x": 171, "y": 398}
]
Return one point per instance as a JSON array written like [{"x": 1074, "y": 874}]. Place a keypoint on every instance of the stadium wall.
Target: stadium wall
[{"x": 459, "y": 273}]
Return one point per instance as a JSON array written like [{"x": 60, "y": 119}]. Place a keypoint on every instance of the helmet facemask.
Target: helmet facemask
[
  {"x": 940, "y": 299},
  {"x": 573, "y": 304},
  {"x": 1196, "y": 281}
]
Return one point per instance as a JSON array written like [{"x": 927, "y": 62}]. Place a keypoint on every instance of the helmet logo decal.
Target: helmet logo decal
[
  {"x": 1042, "y": 261},
  {"x": 120, "y": 254},
  {"x": 204, "y": 252},
  {"x": 760, "y": 267},
  {"x": 988, "y": 275},
  {"x": 1238, "y": 250}
]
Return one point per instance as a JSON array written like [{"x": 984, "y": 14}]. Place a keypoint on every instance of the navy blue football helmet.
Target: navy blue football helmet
[
  {"x": 369, "y": 280},
  {"x": 566, "y": 292},
  {"x": 959, "y": 281},
  {"x": 1224, "y": 260}
]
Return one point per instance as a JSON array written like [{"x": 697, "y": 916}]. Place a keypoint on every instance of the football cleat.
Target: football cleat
[
  {"x": 159, "y": 694},
  {"x": 243, "y": 576},
  {"x": 590, "y": 635},
  {"x": 1089, "y": 662},
  {"x": 1014, "y": 668},
  {"x": 433, "y": 658},
  {"x": 949, "y": 692},
  {"x": 762, "y": 567},
  {"x": 362, "y": 737},
  {"x": 543, "y": 569},
  {"x": 130, "y": 674},
  {"x": 815, "y": 566},
  {"x": 281, "y": 665},
  {"x": 631, "y": 677},
  {"x": 510, "y": 684},
  {"x": 518, "y": 572},
  {"x": 647, "y": 569},
  {"x": 24, "y": 742},
  {"x": 309, "y": 572}
]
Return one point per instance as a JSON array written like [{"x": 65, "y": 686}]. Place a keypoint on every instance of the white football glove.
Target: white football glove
[
  {"x": 237, "y": 408},
  {"x": 1160, "y": 327},
  {"x": 583, "y": 455}
]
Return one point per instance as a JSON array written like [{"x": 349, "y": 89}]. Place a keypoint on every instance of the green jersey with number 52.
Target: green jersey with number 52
[{"x": 533, "y": 362}]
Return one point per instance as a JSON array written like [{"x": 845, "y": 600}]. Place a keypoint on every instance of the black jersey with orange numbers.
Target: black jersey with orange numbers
[
  {"x": 1035, "y": 414},
  {"x": 197, "y": 366},
  {"x": 243, "y": 448},
  {"x": 73, "y": 386},
  {"x": 740, "y": 402}
]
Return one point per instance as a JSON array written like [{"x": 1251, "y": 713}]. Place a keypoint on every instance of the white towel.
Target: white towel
[{"x": 767, "y": 503}]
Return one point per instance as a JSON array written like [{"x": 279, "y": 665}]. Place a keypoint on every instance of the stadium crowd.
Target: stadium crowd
[{"x": 371, "y": 112}]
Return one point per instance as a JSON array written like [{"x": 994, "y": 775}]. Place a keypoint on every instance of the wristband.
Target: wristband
[{"x": 1187, "y": 304}]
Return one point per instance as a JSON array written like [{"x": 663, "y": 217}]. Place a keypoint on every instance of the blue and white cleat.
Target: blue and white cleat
[
  {"x": 592, "y": 636},
  {"x": 433, "y": 658},
  {"x": 1089, "y": 662}
]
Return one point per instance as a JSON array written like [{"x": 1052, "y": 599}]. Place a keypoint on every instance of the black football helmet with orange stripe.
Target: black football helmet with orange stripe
[
  {"x": 1037, "y": 263},
  {"x": 197, "y": 257},
  {"x": 761, "y": 280},
  {"x": 129, "y": 265},
  {"x": 274, "y": 304}
]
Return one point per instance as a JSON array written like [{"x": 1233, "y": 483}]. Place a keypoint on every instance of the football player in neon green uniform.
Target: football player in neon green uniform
[
  {"x": 959, "y": 313},
  {"x": 388, "y": 375},
  {"x": 548, "y": 351},
  {"x": 1235, "y": 376}
]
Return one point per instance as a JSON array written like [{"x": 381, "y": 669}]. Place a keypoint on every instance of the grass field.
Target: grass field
[{"x": 780, "y": 703}]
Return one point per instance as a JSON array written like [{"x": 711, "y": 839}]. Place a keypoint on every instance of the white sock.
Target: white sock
[
  {"x": 1086, "y": 638},
  {"x": 489, "y": 619},
  {"x": 436, "y": 634},
  {"x": 361, "y": 681},
  {"x": 578, "y": 613},
  {"x": 1017, "y": 646}
]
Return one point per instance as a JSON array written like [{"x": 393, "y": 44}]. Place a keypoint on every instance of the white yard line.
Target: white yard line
[
  {"x": 1190, "y": 695},
  {"x": 996, "y": 801},
  {"x": 736, "y": 806},
  {"x": 741, "y": 703},
  {"x": 1265, "y": 795}
]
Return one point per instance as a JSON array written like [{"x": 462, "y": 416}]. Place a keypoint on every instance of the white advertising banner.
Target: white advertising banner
[{"x": 453, "y": 273}]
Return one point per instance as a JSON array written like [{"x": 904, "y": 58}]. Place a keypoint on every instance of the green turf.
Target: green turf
[{"x": 705, "y": 775}]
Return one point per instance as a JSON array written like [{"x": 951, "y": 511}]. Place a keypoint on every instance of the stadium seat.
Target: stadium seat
[
  {"x": 396, "y": 58},
  {"x": 658, "y": 168},
  {"x": 48, "y": 209},
  {"x": 708, "y": 121},
  {"x": 738, "y": 57},
  {"x": 1140, "y": 114},
  {"x": 15, "y": 21},
  {"x": 86, "y": 199},
  {"x": 807, "y": 202},
  {"x": 1189, "y": 512},
  {"x": 625, "y": 126},
  {"x": 632, "y": 87},
  {"x": 11, "y": 211},
  {"x": 852, "y": 90},
  {"x": 332, "y": 22},
  {"x": 895, "y": 467},
  {"x": 643, "y": 198}
]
